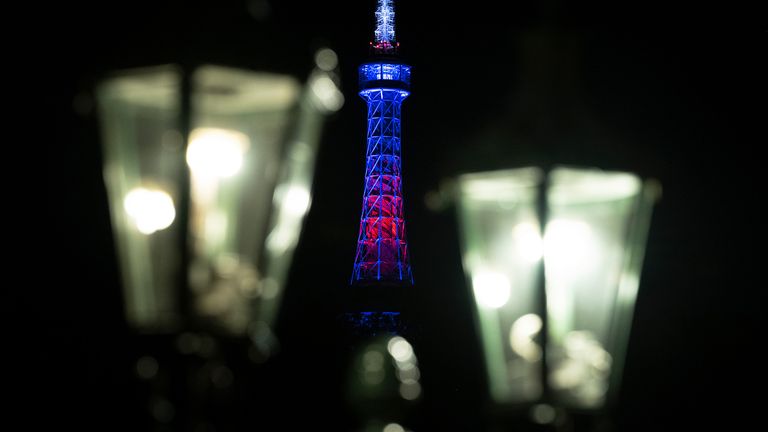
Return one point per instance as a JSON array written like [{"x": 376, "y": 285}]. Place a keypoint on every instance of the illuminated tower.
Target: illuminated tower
[{"x": 382, "y": 251}]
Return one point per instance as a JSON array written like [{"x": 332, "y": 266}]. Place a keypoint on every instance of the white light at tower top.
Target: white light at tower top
[{"x": 385, "y": 22}]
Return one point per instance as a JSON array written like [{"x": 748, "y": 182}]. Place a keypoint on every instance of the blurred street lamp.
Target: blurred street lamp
[
  {"x": 209, "y": 173},
  {"x": 554, "y": 310}
]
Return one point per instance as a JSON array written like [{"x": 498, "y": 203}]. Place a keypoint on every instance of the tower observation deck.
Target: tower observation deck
[{"x": 382, "y": 251}]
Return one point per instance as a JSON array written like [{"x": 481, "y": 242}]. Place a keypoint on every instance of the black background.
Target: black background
[{"x": 676, "y": 93}]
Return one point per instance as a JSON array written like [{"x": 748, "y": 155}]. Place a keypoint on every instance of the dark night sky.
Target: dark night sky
[{"x": 666, "y": 93}]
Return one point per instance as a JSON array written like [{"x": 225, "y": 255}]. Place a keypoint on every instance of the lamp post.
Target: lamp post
[
  {"x": 209, "y": 172},
  {"x": 554, "y": 259}
]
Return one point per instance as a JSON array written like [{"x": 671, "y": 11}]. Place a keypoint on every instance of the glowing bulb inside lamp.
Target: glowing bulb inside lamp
[
  {"x": 527, "y": 239},
  {"x": 492, "y": 289},
  {"x": 296, "y": 200},
  {"x": 216, "y": 152},
  {"x": 569, "y": 246},
  {"x": 149, "y": 210}
]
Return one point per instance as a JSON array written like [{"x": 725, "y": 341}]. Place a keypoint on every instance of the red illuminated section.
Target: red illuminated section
[{"x": 385, "y": 47}]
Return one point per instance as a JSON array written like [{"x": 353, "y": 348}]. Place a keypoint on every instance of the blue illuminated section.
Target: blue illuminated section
[
  {"x": 399, "y": 75},
  {"x": 374, "y": 323},
  {"x": 382, "y": 250}
]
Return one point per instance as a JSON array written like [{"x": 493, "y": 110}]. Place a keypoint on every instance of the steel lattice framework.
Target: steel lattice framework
[{"x": 382, "y": 250}]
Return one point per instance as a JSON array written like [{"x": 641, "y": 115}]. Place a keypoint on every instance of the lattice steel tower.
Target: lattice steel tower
[{"x": 382, "y": 251}]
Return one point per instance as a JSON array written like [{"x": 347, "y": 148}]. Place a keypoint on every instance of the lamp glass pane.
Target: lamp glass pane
[
  {"x": 502, "y": 248},
  {"x": 591, "y": 249},
  {"x": 142, "y": 158},
  {"x": 234, "y": 153}
]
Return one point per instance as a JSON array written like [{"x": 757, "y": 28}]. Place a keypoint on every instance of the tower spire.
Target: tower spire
[{"x": 384, "y": 36}]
